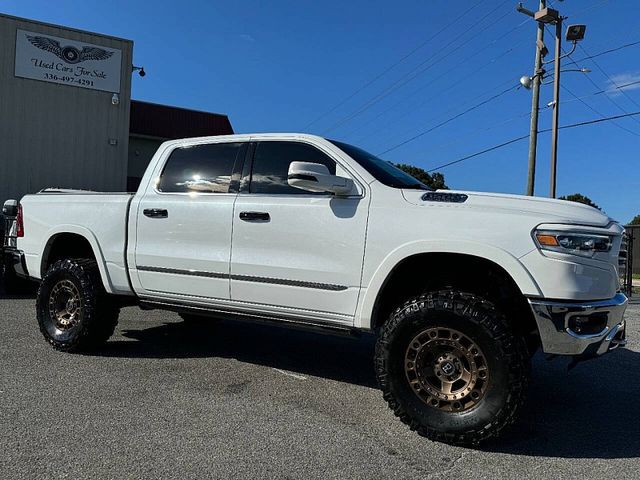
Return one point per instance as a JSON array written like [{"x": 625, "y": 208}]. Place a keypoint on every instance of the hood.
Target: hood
[{"x": 546, "y": 210}]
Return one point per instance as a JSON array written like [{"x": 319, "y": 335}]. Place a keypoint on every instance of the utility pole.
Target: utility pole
[
  {"x": 556, "y": 108},
  {"x": 535, "y": 99},
  {"x": 575, "y": 33}
]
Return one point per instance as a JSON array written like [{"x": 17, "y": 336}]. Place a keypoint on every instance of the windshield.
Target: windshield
[{"x": 383, "y": 171}]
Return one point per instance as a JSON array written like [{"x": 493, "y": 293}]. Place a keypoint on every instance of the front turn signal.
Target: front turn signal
[{"x": 547, "y": 240}]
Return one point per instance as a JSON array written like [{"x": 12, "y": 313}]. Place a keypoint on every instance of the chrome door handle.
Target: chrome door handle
[{"x": 255, "y": 216}]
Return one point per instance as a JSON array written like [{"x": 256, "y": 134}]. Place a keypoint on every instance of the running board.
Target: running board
[{"x": 270, "y": 319}]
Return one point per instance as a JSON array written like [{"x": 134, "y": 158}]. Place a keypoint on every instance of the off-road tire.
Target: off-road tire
[
  {"x": 98, "y": 314},
  {"x": 506, "y": 358}
]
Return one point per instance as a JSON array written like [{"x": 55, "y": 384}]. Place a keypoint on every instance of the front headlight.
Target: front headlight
[{"x": 576, "y": 243}]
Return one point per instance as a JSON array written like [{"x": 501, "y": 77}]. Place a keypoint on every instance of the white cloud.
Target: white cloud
[
  {"x": 621, "y": 81},
  {"x": 247, "y": 37}
]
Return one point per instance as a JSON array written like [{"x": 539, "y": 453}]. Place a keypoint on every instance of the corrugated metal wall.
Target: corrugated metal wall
[{"x": 58, "y": 135}]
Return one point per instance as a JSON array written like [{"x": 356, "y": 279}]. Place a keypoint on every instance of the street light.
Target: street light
[
  {"x": 527, "y": 82},
  {"x": 579, "y": 70},
  {"x": 546, "y": 16},
  {"x": 574, "y": 34}
]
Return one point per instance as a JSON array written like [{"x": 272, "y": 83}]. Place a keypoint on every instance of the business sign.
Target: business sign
[{"x": 59, "y": 60}]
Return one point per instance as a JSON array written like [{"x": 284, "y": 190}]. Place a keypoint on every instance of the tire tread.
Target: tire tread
[
  {"x": 484, "y": 313},
  {"x": 100, "y": 313}
]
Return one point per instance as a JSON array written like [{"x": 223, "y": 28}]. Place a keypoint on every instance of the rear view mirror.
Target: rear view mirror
[{"x": 315, "y": 177}]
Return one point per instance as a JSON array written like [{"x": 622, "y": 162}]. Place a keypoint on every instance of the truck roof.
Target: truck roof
[{"x": 250, "y": 136}]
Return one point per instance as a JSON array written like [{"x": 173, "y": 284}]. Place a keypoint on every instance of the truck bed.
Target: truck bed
[{"x": 100, "y": 217}]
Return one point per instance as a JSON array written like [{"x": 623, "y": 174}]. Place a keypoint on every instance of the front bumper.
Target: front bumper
[{"x": 554, "y": 319}]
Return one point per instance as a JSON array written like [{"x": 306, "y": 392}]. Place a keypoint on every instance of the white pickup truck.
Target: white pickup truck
[{"x": 461, "y": 288}]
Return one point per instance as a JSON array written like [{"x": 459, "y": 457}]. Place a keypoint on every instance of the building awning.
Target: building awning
[{"x": 166, "y": 122}]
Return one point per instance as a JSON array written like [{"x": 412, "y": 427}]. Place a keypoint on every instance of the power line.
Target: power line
[
  {"x": 628, "y": 97},
  {"x": 599, "y": 112},
  {"x": 593, "y": 109},
  {"x": 450, "y": 119},
  {"x": 417, "y": 71},
  {"x": 514, "y": 140},
  {"x": 620, "y": 107},
  {"x": 462, "y": 79},
  {"x": 487, "y": 150},
  {"x": 393, "y": 120},
  {"x": 391, "y": 67},
  {"x": 599, "y": 92},
  {"x": 620, "y": 87},
  {"x": 381, "y": 96},
  {"x": 590, "y": 107},
  {"x": 477, "y": 131},
  {"x": 589, "y": 57},
  {"x": 586, "y": 9},
  {"x": 597, "y": 120}
]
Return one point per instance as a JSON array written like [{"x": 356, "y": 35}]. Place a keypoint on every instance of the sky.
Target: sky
[{"x": 378, "y": 73}]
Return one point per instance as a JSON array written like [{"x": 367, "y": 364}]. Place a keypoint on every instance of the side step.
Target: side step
[{"x": 272, "y": 319}]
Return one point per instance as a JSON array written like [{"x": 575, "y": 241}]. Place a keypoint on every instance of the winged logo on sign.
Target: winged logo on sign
[{"x": 68, "y": 53}]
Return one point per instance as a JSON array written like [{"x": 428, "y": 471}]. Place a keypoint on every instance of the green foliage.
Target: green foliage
[
  {"x": 433, "y": 180},
  {"x": 578, "y": 197},
  {"x": 635, "y": 221}
]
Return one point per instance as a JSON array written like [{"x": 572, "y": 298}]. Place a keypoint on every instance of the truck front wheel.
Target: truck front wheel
[
  {"x": 451, "y": 368},
  {"x": 73, "y": 309}
]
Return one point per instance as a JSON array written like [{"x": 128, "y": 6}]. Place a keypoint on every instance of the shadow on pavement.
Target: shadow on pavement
[
  {"x": 588, "y": 412},
  {"x": 17, "y": 296},
  {"x": 346, "y": 359}
]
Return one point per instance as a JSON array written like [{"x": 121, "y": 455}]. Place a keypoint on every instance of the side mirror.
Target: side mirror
[
  {"x": 10, "y": 208},
  {"x": 315, "y": 177}
]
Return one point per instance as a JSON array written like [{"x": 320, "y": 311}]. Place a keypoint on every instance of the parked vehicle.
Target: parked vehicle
[
  {"x": 10, "y": 282},
  {"x": 461, "y": 288}
]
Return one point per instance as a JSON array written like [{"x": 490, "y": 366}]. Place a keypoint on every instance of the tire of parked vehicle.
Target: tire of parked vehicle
[
  {"x": 73, "y": 309},
  {"x": 451, "y": 368}
]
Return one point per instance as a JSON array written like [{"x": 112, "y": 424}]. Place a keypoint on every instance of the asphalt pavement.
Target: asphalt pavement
[{"x": 165, "y": 399}]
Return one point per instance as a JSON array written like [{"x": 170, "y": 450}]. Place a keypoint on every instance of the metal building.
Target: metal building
[
  {"x": 151, "y": 124},
  {"x": 66, "y": 115},
  {"x": 64, "y": 108}
]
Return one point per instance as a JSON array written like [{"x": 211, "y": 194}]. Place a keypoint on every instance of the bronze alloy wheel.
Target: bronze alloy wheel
[
  {"x": 446, "y": 369},
  {"x": 450, "y": 367},
  {"x": 65, "y": 305},
  {"x": 74, "y": 311}
]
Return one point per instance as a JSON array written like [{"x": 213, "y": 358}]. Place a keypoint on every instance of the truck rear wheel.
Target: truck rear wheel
[
  {"x": 451, "y": 368},
  {"x": 73, "y": 309}
]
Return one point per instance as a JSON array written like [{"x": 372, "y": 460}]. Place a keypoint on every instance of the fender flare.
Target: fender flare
[
  {"x": 89, "y": 237},
  {"x": 512, "y": 266}
]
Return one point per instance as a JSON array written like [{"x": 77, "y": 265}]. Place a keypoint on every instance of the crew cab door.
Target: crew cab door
[
  {"x": 296, "y": 252},
  {"x": 183, "y": 235}
]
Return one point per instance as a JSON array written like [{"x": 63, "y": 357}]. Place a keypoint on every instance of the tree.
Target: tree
[
  {"x": 635, "y": 221},
  {"x": 578, "y": 197},
  {"x": 433, "y": 180}
]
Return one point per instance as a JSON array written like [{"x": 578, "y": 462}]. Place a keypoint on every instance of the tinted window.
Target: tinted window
[
  {"x": 271, "y": 165},
  {"x": 383, "y": 171},
  {"x": 200, "y": 168}
]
